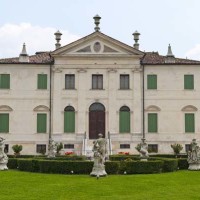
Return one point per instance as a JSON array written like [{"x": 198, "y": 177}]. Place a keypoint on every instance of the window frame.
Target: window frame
[
  {"x": 97, "y": 81},
  {"x": 69, "y": 81},
  {"x": 5, "y": 128},
  {"x": 187, "y": 128},
  {"x": 38, "y": 150},
  {"x": 42, "y": 81},
  {"x": 152, "y": 82},
  {"x": 4, "y": 82},
  {"x": 188, "y": 83},
  {"x": 124, "y": 82},
  {"x": 38, "y": 128},
  {"x": 148, "y": 122},
  {"x": 153, "y": 147}
]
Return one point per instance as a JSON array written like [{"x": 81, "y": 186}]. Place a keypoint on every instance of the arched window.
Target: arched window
[
  {"x": 97, "y": 107},
  {"x": 124, "y": 119},
  {"x": 69, "y": 119}
]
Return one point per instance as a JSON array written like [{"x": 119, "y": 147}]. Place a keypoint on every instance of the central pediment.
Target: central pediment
[{"x": 94, "y": 44}]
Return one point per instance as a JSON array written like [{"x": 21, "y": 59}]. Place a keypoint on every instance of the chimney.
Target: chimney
[
  {"x": 170, "y": 58},
  {"x": 23, "y": 56},
  {"x": 97, "y": 22},
  {"x": 136, "y": 38},
  {"x": 58, "y": 38}
]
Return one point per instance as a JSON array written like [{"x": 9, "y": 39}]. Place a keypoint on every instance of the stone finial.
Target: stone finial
[
  {"x": 23, "y": 56},
  {"x": 58, "y": 38},
  {"x": 170, "y": 58},
  {"x": 97, "y": 22},
  {"x": 136, "y": 38},
  {"x": 169, "y": 52}
]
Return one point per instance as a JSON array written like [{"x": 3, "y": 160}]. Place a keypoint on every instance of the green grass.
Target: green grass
[{"x": 181, "y": 185}]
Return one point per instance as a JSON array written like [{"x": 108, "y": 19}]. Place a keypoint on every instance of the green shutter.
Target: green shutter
[
  {"x": 152, "y": 123},
  {"x": 41, "y": 123},
  {"x": 5, "y": 81},
  {"x": 124, "y": 122},
  {"x": 42, "y": 81},
  {"x": 4, "y": 123},
  {"x": 189, "y": 123},
  {"x": 189, "y": 82},
  {"x": 69, "y": 122},
  {"x": 151, "y": 81}
]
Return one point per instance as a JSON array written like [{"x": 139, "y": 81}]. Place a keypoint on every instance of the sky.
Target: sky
[{"x": 160, "y": 23}]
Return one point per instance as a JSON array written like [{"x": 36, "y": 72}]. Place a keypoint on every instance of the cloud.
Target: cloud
[
  {"x": 194, "y": 53},
  {"x": 12, "y": 37}
]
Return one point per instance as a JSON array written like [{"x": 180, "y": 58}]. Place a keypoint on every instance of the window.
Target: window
[
  {"x": 41, "y": 123},
  {"x": 69, "y": 120},
  {"x": 6, "y": 148},
  {"x": 42, "y": 81},
  {"x": 152, "y": 82},
  {"x": 4, "y": 81},
  {"x": 69, "y": 81},
  {"x": 124, "y": 82},
  {"x": 124, "y": 146},
  {"x": 152, "y": 123},
  {"x": 97, "y": 82},
  {"x": 41, "y": 148},
  {"x": 4, "y": 123},
  {"x": 189, "y": 123},
  {"x": 124, "y": 119},
  {"x": 188, "y": 148},
  {"x": 68, "y": 146},
  {"x": 152, "y": 148},
  {"x": 189, "y": 82}
]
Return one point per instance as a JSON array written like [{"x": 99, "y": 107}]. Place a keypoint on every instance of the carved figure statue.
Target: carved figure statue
[
  {"x": 3, "y": 156},
  {"x": 143, "y": 149},
  {"x": 51, "y": 148},
  {"x": 99, "y": 149}
]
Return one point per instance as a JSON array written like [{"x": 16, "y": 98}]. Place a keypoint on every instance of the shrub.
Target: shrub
[
  {"x": 168, "y": 155},
  {"x": 12, "y": 163},
  {"x": 142, "y": 167},
  {"x": 71, "y": 157},
  {"x": 123, "y": 157},
  {"x": 176, "y": 148},
  {"x": 25, "y": 165},
  {"x": 65, "y": 167},
  {"x": 183, "y": 163},
  {"x": 170, "y": 165},
  {"x": 112, "y": 167},
  {"x": 17, "y": 148}
]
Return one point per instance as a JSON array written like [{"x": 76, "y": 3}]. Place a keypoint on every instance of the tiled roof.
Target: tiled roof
[
  {"x": 153, "y": 58},
  {"x": 39, "y": 58}
]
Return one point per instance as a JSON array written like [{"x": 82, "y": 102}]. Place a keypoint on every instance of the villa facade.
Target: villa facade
[{"x": 99, "y": 85}]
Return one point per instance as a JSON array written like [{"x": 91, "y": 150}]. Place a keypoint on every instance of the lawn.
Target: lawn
[{"x": 181, "y": 185}]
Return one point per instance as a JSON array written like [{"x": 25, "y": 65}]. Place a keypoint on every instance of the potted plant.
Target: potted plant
[
  {"x": 17, "y": 149},
  {"x": 59, "y": 146},
  {"x": 176, "y": 148}
]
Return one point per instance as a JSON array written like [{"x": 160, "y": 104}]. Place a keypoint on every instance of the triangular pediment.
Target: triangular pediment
[{"x": 97, "y": 43}]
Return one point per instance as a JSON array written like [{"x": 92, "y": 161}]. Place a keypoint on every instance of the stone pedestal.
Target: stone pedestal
[
  {"x": 194, "y": 166},
  {"x": 3, "y": 166},
  {"x": 98, "y": 169}
]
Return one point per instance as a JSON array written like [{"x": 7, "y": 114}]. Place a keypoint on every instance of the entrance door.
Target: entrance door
[{"x": 96, "y": 120}]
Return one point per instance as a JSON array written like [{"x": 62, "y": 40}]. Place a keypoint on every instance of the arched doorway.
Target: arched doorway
[{"x": 96, "y": 120}]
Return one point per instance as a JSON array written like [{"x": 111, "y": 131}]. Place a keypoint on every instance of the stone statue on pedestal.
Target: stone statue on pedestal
[
  {"x": 99, "y": 149},
  {"x": 143, "y": 150},
  {"x": 194, "y": 156},
  {"x": 51, "y": 149},
  {"x": 3, "y": 156}
]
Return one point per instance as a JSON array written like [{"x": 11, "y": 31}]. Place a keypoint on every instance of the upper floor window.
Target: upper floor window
[
  {"x": 152, "y": 81},
  {"x": 42, "y": 81},
  {"x": 124, "y": 81},
  {"x": 4, "y": 122},
  {"x": 4, "y": 81},
  {"x": 69, "y": 81},
  {"x": 189, "y": 82},
  {"x": 41, "y": 123},
  {"x": 97, "y": 81},
  {"x": 189, "y": 123},
  {"x": 152, "y": 122}
]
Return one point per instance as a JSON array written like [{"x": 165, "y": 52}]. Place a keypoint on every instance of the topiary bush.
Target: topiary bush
[
  {"x": 12, "y": 163},
  {"x": 183, "y": 163},
  {"x": 142, "y": 167},
  {"x": 112, "y": 167},
  {"x": 65, "y": 167}
]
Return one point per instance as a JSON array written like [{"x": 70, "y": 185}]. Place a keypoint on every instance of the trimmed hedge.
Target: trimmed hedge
[
  {"x": 112, "y": 167},
  {"x": 168, "y": 155},
  {"x": 123, "y": 157},
  {"x": 142, "y": 167},
  {"x": 65, "y": 167},
  {"x": 183, "y": 163},
  {"x": 12, "y": 163}
]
